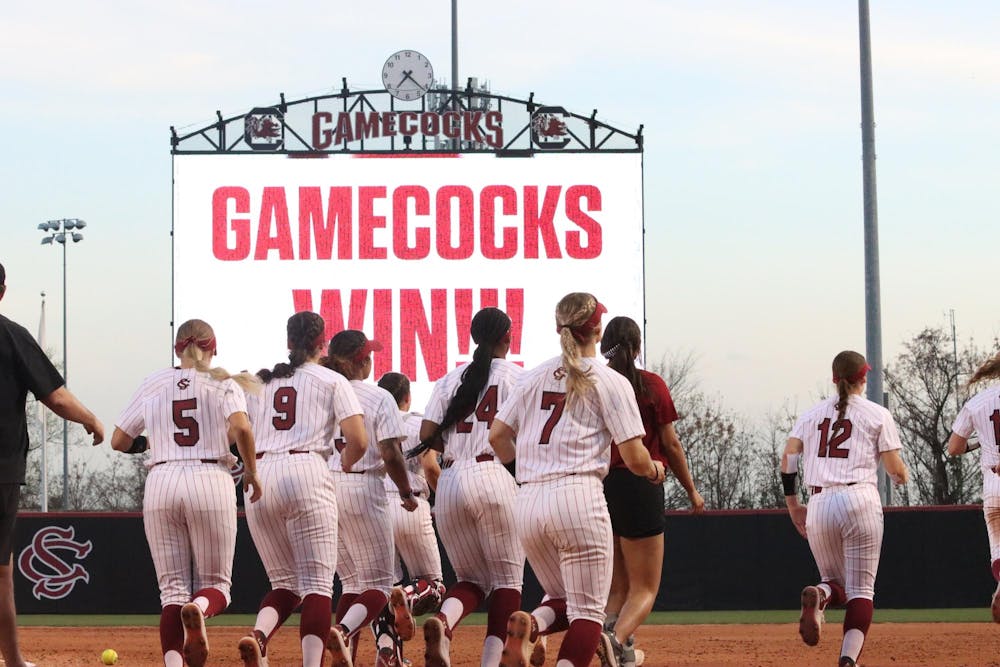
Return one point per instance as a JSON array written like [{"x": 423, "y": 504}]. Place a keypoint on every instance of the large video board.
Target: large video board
[{"x": 406, "y": 249}]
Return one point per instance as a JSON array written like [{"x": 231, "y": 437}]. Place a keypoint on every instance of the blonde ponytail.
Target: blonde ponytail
[
  {"x": 573, "y": 313},
  {"x": 988, "y": 371},
  {"x": 195, "y": 339}
]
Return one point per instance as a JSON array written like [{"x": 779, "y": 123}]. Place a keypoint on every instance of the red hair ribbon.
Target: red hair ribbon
[
  {"x": 857, "y": 377},
  {"x": 207, "y": 344},
  {"x": 581, "y": 331}
]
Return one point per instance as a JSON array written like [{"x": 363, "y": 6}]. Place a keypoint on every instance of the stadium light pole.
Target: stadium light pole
[{"x": 62, "y": 232}]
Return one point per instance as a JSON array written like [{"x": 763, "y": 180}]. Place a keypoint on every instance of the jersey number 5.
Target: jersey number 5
[
  {"x": 188, "y": 433},
  {"x": 554, "y": 401},
  {"x": 284, "y": 408},
  {"x": 484, "y": 411},
  {"x": 830, "y": 447}
]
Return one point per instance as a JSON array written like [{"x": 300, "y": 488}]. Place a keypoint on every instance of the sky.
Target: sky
[{"x": 752, "y": 164}]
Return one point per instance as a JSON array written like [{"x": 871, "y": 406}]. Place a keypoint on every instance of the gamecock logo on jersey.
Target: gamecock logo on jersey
[
  {"x": 42, "y": 562},
  {"x": 264, "y": 129},
  {"x": 548, "y": 129}
]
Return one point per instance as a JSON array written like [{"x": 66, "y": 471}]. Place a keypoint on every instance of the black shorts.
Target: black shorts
[
  {"x": 10, "y": 497},
  {"x": 635, "y": 505}
]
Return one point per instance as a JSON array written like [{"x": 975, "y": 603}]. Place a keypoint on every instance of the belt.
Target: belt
[
  {"x": 482, "y": 458},
  {"x": 188, "y": 461},
  {"x": 260, "y": 455},
  {"x": 816, "y": 489}
]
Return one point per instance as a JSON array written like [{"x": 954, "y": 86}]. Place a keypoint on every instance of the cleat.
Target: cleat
[
  {"x": 846, "y": 661},
  {"x": 538, "y": 652},
  {"x": 402, "y": 618},
  {"x": 195, "y": 637},
  {"x": 811, "y": 619},
  {"x": 426, "y": 597},
  {"x": 517, "y": 648},
  {"x": 386, "y": 657},
  {"x": 436, "y": 644},
  {"x": 609, "y": 650},
  {"x": 252, "y": 650},
  {"x": 640, "y": 657},
  {"x": 338, "y": 648}
]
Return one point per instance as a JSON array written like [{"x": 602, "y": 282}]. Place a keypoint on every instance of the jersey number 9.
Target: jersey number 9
[{"x": 284, "y": 408}]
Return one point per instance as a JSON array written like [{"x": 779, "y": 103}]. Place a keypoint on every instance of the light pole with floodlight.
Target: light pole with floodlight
[{"x": 62, "y": 232}]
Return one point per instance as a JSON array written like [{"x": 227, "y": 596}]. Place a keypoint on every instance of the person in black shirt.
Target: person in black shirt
[{"x": 23, "y": 367}]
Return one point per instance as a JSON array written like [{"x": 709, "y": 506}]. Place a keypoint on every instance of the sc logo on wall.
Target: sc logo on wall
[{"x": 50, "y": 562}]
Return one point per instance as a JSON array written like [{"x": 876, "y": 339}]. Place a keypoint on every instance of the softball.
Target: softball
[{"x": 109, "y": 657}]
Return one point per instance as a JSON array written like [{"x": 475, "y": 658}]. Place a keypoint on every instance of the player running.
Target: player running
[
  {"x": 981, "y": 415},
  {"x": 295, "y": 526},
  {"x": 840, "y": 442},
  {"x": 191, "y": 414},
  {"x": 564, "y": 415}
]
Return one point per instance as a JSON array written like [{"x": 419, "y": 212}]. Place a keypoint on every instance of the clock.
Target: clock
[{"x": 407, "y": 75}]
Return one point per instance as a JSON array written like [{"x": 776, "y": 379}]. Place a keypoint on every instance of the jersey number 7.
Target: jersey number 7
[{"x": 554, "y": 401}]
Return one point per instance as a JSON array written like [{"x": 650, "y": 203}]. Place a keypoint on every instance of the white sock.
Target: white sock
[
  {"x": 544, "y": 617},
  {"x": 173, "y": 659},
  {"x": 827, "y": 591},
  {"x": 267, "y": 620},
  {"x": 453, "y": 611},
  {"x": 384, "y": 641},
  {"x": 854, "y": 641},
  {"x": 492, "y": 648},
  {"x": 354, "y": 617},
  {"x": 312, "y": 651},
  {"x": 564, "y": 663},
  {"x": 202, "y": 603}
]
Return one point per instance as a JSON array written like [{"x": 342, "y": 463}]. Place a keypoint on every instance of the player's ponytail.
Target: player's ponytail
[
  {"x": 488, "y": 328},
  {"x": 196, "y": 343},
  {"x": 620, "y": 345},
  {"x": 849, "y": 370},
  {"x": 305, "y": 336},
  {"x": 578, "y": 316},
  {"x": 988, "y": 371}
]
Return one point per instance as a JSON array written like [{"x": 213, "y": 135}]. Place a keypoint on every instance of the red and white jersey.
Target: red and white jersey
[
  {"x": 382, "y": 421},
  {"x": 981, "y": 415},
  {"x": 418, "y": 483},
  {"x": 469, "y": 438},
  {"x": 555, "y": 439},
  {"x": 844, "y": 451},
  {"x": 184, "y": 414},
  {"x": 301, "y": 412}
]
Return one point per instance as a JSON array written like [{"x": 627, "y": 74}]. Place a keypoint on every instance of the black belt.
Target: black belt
[
  {"x": 184, "y": 460},
  {"x": 816, "y": 489},
  {"x": 260, "y": 455},
  {"x": 482, "y": 458}
]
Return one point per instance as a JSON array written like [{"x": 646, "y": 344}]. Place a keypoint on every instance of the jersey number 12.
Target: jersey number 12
[{"x": 831, "y": 447}]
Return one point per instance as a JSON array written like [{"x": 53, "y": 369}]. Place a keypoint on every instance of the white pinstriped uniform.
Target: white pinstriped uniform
[
  {"x": 844, "y": 520},
  {"x": 294, "y": 525},
  {"x": 189, "y": 506},
  {"x": 474, "y": 504},
  {"x": 981, "y": 415},
  {"x": 563, "y": 453},
  {"x": 365, "y": 551},
  {"x": 413, "y": 532}
]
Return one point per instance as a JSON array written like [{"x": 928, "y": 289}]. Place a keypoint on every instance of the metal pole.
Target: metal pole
[
  {"x": 44, "y": 491},
  {"x": 873, "y": 308},
  {"x": 65, "y": 503},
  {"x": 455, "y": 143}
]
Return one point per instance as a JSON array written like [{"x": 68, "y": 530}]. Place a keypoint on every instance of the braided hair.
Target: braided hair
[
  {"x": 195, "y": 341},
  {"x": 849, "y": 369},
  {"x": 574, "y": 314},
  {"x": 489, "y": 326},
  {"x": 305, "y": 335},
  {"x": 620, "y": 344}
]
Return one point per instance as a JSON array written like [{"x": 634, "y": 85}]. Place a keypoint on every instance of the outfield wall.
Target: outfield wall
[{"x": 932, "y": 557}]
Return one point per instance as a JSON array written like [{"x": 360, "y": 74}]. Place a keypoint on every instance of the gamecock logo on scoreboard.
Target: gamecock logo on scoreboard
[{"x": 44, "y": 562}]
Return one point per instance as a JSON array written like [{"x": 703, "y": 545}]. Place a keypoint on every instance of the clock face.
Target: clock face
[{"x": 407, "y": 75}]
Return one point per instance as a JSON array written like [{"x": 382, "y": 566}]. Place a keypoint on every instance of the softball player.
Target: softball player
[
  {"x": 636, "y": 507},
  {"x": 564, "y": 415},
  {"x": 191, "y": 413},
  {"x": 981, "y": 415},
  {"x": 840, "y": 442},
  {"x": 365, "y": 552},
  {"x": 295, "y": 526},
  {"x": 474, "y": 502},
  {"x": 413, "y": 532}
]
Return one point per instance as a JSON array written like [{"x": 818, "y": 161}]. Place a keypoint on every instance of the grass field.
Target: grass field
[{"x": 966, "y": 615}]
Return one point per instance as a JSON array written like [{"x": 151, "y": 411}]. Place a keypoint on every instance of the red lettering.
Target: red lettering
[
  {"x": 430, "y": 123},
  {"x": 311, "y": 219},
  {"x": 222, "y": 224},
  {"x": 368, "y": 222},
  {"x": 413, "y": 327},
  {"x": 463, "y": 318},
  {"x": 451, "y": 124},
  {"x": 494, "y": 125},
  {"x": 470, "y": 124},
  {"x": 466, "y": 229},
  {"x": 592, "y": 228},
  {"x": 540, "y": 223},
  {"x": 388, "y": 124},
  {"x": 322, "y": 136},
  {"x": 383, "y": 331},
  {"x": 487, "y": 221},
  {"x": 408, "y": 123},
  {"x": 274, "y": 208},
  {"x": 400, "y": 219},
  {"x": 331, "y": 308},
  {"x": 367, "y": 125},
  {"x": 344, "y": 132}
]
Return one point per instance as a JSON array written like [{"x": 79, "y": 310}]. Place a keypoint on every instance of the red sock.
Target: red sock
[
  {"x": 216, "y": 601},
  {"x": 284, "y": 602},
  {"x": 580, "y": 643},
  {"x": 344, "y": 603},
  {"x": 558, "y": 605},
  {"x": 315, "y": 618},
  {"x": 471, "y": 596},
  {"x": 503, "y": 603},
  {"x": 171, "y": 629},
  {"x": 996, "y": 569},
  {"x": 374, "y": 602},
  {"x": 838, "y": 597},
  {"x": 859, "y": 615}
]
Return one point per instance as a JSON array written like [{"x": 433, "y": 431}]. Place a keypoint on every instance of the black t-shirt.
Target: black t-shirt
[{"x": 23, "y": 368}]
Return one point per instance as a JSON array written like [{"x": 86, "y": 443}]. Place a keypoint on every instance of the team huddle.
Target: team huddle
[{"x": 560, "y": 466}]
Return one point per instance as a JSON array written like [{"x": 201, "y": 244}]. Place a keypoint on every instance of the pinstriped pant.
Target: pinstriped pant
[
  {"x": 365, "y": 551},
  {"x": 413, "y": 535},
  {"x": 991, "y": 514},
  {"x": 189, "y": 513},
  {"x": 475, "y": 518},
  {"x": 566, "y": 532},
  {"x": 294, "y": 524},
  {"x": 844, "y": 524}
]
